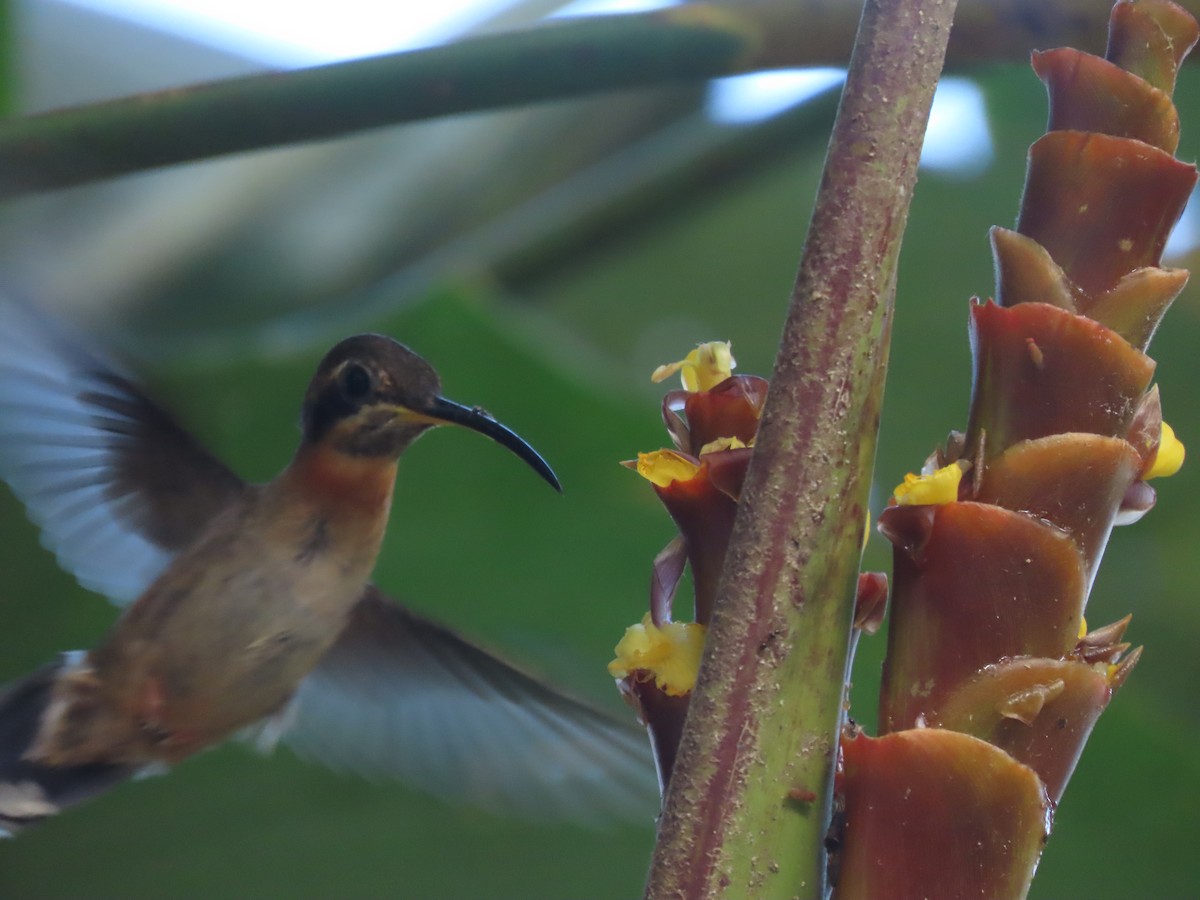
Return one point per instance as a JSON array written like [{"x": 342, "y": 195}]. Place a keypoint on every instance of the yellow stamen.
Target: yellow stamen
[
  {"x": 1082, "y": 627},
  {"x": 664, "y": 467},
  {"x": 1170, "y": 455},
  {"x": 702, "y": 369},
  {"x": 930, "y": 490},
  {"x": 671, "y": 654}
]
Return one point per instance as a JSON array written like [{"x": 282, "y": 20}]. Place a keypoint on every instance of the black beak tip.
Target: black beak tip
[
  {"x": 551, "y": 478},
  {"x": 533, "y": 459}
]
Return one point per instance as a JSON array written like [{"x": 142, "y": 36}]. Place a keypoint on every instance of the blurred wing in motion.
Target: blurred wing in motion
[
  {"x": 115, "y": 484},
  {"x": 400, "y": 697}
]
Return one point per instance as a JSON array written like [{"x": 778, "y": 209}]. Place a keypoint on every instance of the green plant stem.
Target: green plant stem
[
  {"x": 767, "y": 709},
  {"x": 557, "y": 61}
]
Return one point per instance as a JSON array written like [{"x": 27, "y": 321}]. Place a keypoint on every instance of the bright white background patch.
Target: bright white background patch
[
  {"x": 1186, "y": 236},
  {"x": 958, "y": 140},
  {"x": 609, "y": 7},
  {"x": 293, "y": 34},
  {"x": 746, "y": 99}
]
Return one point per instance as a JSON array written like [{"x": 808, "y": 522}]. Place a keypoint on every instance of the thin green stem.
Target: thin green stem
[{"x": 750, "y": 800}]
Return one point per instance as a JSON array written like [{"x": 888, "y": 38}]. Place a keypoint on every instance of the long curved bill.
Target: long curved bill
[{"x": 447, "y": 411}]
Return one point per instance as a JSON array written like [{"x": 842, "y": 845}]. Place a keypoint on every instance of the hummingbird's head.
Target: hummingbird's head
[{"x": 372, "y": 396}]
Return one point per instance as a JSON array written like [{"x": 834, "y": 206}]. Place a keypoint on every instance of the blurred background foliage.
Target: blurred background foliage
[{"x": 545, "y": 259}]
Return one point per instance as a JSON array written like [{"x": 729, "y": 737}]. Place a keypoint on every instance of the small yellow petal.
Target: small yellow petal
[
  {"x": 702, "y": 369},
  {"x": 664, "y": 467},
  {"x": 725, "y": 443},
  {"x": 665, "y": 371},
  {"x": 1082, "y": 627},
  {"x": 1169, "y": 458},
  {"x": 928, "y": 490},
  {"x": 671, "y": 654}
]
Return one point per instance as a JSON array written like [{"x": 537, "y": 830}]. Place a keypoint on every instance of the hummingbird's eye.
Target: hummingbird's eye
[{"x": 356, "y": 381}]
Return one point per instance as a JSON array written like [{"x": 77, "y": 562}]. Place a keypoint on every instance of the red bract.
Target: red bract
[
  {"x": 936, "y": 814},
  {"x": 982, "y": 585},
  {"x": 729, "y": 410},
  {"x": 704, "y": 515},
  {"x": 1040, "y": 371},
  {"x": 990, "y": 690},
  {"x": 1101, "y": 205}
]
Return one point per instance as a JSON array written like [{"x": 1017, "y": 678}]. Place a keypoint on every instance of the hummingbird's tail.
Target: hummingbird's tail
[{"x": 30, "y": 791}]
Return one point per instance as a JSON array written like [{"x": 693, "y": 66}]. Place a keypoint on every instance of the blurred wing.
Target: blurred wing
[
  {"x": 401, "y": 697},
  {"x": 116, "y": 485}
]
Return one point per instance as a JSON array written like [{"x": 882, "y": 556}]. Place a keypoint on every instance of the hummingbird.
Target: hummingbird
[{"x": 248, "y": 608}]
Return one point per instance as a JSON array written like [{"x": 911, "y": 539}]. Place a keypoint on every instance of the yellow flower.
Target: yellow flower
[
  {"x": 1170, "y": 455},
  {"x": 725, "y": 443},
  {"x": 664, "y": 467},
  {"x": 929, "y": 490},
  {"x": 671, "y": 654},
  {"x": 702, "y": 369}
]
